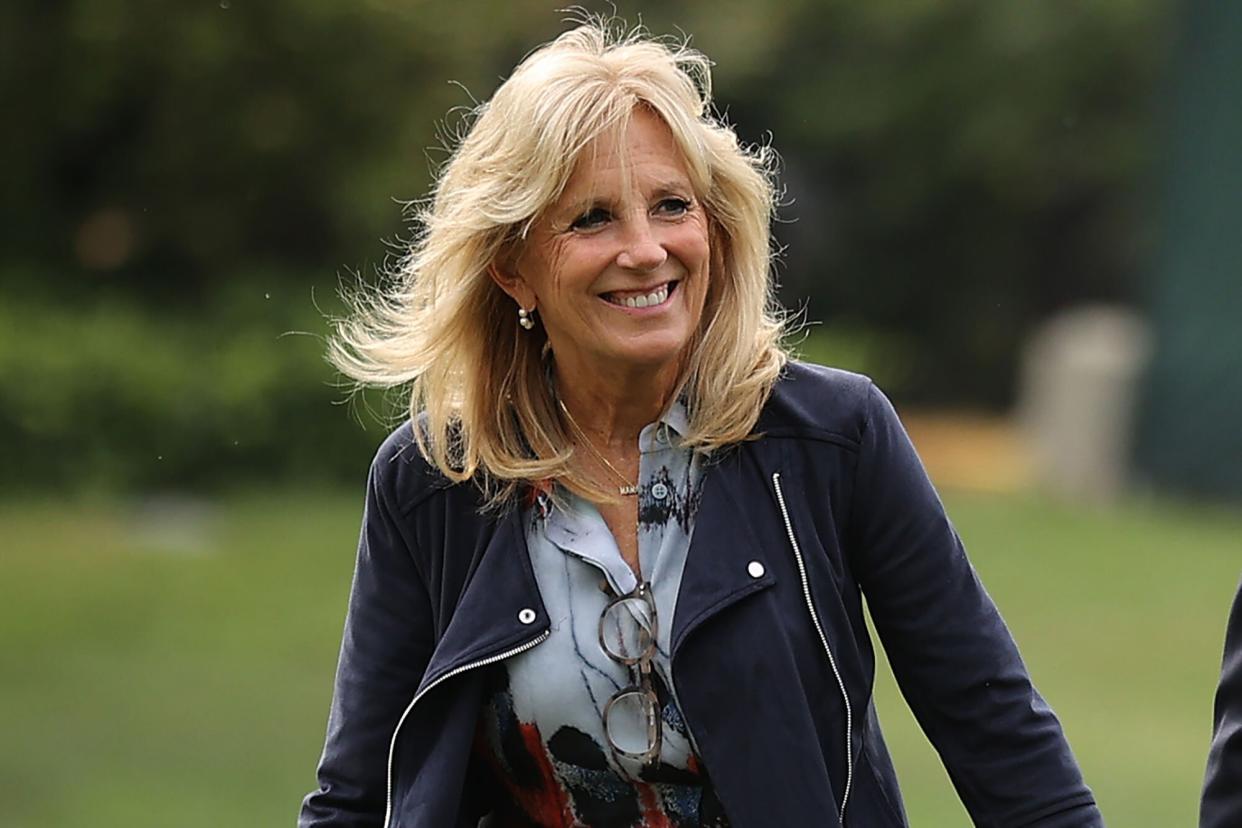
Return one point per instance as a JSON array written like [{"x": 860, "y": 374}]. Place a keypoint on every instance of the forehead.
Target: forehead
[{"x": 641, "y": 155}]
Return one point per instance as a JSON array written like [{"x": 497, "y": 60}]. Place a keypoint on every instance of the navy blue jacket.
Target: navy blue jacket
[
  {"x": 1222, "y": 789},
  {"x": 774, "y": 672}
]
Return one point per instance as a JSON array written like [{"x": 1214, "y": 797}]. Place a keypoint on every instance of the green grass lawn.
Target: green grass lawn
[{"x": 154, "y": 680}]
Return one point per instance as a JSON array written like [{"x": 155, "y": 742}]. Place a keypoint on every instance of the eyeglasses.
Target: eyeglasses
[{"x": 627, "y": 634}]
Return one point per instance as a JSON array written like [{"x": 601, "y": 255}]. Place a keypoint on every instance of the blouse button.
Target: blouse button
[
  {"x": 755, "y": 569},
  {"x": 659, "y": 491},
  {"x": 527, "y": 616}
]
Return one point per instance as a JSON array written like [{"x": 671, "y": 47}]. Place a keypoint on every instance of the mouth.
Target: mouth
[{"x": 637, "y": 299}]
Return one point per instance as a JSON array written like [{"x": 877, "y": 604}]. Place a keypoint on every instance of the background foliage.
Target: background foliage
[{"x": 187, "y": 185}]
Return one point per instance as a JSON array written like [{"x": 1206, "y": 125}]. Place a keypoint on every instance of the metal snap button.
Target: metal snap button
[
  {"x": 659, "y": 491},
  {"x": 527, "y": 616},
  {"x": 755, "y": 569}
]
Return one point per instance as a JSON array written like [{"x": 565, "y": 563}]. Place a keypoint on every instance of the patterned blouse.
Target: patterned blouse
[{"x": 542, "y": 725}]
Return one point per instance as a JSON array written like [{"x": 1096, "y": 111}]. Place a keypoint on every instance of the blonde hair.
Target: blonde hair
[{"x": 480, "y": 395}]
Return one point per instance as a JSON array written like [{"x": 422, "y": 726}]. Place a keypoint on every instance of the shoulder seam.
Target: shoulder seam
[{"x": 434, "y": 483}]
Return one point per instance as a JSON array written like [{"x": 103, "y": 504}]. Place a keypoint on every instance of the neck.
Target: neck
[{"x": 613, "y": 405}]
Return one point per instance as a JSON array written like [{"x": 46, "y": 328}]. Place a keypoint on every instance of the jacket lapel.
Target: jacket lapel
[
  {"x": 732, "y": 519},
  {"x": 500, "y": 607}
]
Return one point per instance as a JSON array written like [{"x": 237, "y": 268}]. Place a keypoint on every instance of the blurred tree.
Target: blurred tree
[
  {"x": 960, "y": 169},
  {"x": 161, "y": 150},
  {"x": 956, "y": 167},
  {"x": 954, "y": 170}
]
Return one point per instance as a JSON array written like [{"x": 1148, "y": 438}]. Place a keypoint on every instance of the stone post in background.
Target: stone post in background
[{"x": 1078, "y": 394}]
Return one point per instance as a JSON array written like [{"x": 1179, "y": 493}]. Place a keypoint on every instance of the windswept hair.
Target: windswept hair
[{"x": 480, "y": 394}]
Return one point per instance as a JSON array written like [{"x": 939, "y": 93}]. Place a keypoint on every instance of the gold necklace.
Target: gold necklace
[{"x": 626, "y": 489}]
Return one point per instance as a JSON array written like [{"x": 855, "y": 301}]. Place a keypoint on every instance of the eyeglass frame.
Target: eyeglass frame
[{"x": 644, "y": 687}]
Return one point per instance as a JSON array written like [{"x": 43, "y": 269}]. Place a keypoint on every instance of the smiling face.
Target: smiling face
[{"x": 617, "y": 268}]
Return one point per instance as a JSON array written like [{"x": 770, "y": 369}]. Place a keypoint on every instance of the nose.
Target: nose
[{"x": 641, "y": 251}]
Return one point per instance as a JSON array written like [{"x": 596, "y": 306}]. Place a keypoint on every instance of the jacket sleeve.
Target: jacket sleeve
[
  {"x": 953, "y": 657},
  {"x": 1222, "y": 790},
  {"x": 386, "y": 645}
]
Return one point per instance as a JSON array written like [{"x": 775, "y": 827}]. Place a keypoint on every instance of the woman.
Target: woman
[
  {"x": 612, "y": 574},
  {"x": 1221, "y": 805}
]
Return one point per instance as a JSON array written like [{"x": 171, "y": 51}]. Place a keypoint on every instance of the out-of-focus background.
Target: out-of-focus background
[{"x": 1021, "y": 218}]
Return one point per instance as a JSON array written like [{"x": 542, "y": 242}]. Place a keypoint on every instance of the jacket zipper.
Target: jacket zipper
[
  {"x": 456, "y": 671},
  {"x": 810, "y": 605}
]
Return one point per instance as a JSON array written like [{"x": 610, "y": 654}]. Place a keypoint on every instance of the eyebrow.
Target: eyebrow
[
  {"x": 673, "y": 186},
  {"x": 663, "y": 187},
  {"x": 583, "y": 205}
]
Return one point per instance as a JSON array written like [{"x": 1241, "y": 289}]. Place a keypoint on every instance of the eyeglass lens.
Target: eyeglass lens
[
  {"x": 628, "y": 630},
  {"x": 632, "y": 722}
]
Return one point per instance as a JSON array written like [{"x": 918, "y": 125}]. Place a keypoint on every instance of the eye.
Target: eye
[
  {"x": 673, "y": 206},
  {"x": 592, "y": 219}
]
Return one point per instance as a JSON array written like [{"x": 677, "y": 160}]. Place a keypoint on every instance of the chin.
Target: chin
[{"x": 654, "y": 354}]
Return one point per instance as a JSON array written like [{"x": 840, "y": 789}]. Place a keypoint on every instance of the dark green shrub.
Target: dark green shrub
[{"x": 117, "y": 398}]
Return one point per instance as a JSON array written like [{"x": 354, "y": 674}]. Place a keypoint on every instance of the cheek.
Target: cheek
[
  {"x": 577, "y": 265},
  {"x": 552, "y": 263},
  {"x": 698, "y": 258},
  {"x": 541, "y": 264},
  {"x": 703, "y": 245},
  {"x": 691, "y": 247}
]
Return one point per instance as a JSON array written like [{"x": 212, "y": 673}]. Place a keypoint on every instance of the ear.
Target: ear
[{"x": 512, "y": 283}]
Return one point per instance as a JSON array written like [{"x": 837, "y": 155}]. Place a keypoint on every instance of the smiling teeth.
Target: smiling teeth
[{"x": 656, "y": 297}]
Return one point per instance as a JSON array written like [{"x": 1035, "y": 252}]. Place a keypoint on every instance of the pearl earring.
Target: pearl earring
[{"x": 524, "y": 318}]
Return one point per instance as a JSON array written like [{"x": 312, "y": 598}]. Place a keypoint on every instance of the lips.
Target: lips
[{"x": 640, "y": 299}]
